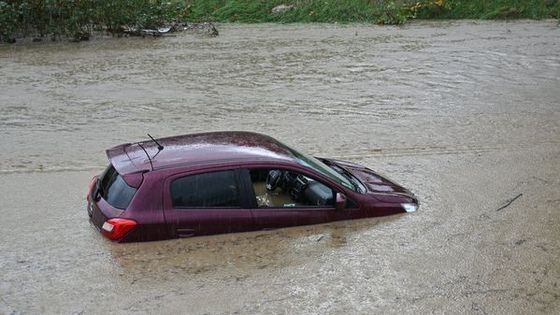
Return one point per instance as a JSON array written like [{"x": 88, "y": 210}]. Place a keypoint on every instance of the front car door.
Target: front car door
[
  {"x": 206, "y": 203},
  {"x": 297, "y": 198}
]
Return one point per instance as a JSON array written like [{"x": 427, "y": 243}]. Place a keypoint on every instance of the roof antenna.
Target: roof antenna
[{"x": 159, "y": 146}]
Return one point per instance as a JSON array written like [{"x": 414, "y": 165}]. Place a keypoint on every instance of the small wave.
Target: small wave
[{"x": 28, "y": 170}]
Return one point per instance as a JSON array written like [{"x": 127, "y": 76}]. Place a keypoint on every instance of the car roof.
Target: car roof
[{"x": 196, "y": 149}]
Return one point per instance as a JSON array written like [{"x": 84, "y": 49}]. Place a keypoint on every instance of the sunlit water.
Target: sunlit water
[{"x": 465, "y": 114}]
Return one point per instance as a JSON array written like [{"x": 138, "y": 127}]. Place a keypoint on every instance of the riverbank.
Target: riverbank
[{"x": 77, "y": 20}]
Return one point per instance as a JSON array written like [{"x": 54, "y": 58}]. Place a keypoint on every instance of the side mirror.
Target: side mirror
[{"x": 340, "y": 202}]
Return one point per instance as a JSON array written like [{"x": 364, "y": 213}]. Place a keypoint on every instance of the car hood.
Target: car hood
[{"x": 374, "y": 182}]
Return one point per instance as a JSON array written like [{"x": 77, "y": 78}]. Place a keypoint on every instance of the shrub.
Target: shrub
[{"x": 77, "y": 18}]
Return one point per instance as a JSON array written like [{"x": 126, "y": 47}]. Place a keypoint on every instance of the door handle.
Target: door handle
[{"x": 185, "y": 232}]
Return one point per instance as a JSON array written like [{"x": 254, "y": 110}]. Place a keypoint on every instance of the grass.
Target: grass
[
  {"x": 78, "y": 18},
  {"x": 496, "y": 9},
  {"x": 369, "y": 11},
  {"x": 319, "y": 11}
]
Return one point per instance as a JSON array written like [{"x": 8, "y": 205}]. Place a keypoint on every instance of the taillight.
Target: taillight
[
  {"x": 116, "y": 228},
  {"x": 91, "y": 185}
]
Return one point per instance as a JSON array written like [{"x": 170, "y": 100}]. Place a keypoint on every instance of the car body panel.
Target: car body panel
[
  {"x": 100, "y": 211},
  {"x": 196, "y": 149},
  {"x": 372, "y": 180},
  {"x": 278, "y": 217},
  {"x": 378, "y": 186},
  {"x": 186, "y": 222},
  {"x": 146, "y": 209}
]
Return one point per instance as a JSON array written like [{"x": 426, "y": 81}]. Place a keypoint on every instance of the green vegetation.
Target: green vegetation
[
  {"x": 369, "y": 11},
  {"x": 494, "y": 9},
  {"x": 78, "y": 18},
  {"x": 344, "y": 11}
]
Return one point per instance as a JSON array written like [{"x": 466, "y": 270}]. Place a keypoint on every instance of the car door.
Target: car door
[
  {"x": 281, "y": 210},
  {"x": 206, "y": 203}
]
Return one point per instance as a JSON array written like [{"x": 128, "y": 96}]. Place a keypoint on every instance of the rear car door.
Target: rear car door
[{"x": 206, "y": 203}]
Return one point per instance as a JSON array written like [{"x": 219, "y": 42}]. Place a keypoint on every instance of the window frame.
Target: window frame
[
  {"x": 246, "y": 177},
  {"x": 168, "y": 204}
]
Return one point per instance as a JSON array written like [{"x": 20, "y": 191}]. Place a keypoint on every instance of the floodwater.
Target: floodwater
[{"x": 465, "y": 114}]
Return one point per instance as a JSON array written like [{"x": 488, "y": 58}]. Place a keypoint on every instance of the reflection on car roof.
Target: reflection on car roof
[{"x": 201, "y": 148}]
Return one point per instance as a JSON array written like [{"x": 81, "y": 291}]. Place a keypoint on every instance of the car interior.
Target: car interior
[{"x": 282, "y": 188}]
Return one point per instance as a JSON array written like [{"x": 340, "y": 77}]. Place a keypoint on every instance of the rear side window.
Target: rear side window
[
  {"x": 216, "y": 189},
  {"x": 115, "y": 190}
]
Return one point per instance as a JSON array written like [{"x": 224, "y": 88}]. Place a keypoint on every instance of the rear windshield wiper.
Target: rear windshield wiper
[{"x": 98, "y": 189}]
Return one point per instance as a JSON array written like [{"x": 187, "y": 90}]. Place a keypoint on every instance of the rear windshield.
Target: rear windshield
[{"x": 115, "y": 190}]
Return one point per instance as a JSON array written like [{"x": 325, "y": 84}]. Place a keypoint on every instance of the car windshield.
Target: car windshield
[{"x": 320, "y": 167}]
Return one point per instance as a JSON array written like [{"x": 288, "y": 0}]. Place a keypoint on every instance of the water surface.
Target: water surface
[{"x": 465, "y": 114}]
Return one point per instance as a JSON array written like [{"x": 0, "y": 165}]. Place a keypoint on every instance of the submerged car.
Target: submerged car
[{"x": 223, "y": 182}]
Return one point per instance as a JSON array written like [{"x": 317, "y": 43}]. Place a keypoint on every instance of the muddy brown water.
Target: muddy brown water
[{"x": 465, "y": 114}]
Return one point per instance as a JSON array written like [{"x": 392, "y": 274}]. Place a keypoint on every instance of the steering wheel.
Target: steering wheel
[{"x": 273, "y": 179}]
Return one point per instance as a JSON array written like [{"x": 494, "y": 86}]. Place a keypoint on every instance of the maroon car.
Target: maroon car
[{"x": 224, "y": 182}]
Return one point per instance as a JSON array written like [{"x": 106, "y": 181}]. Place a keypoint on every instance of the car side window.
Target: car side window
[
  {"x": 207, "y": 190},
  {"x": 280, "y": 188}
]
